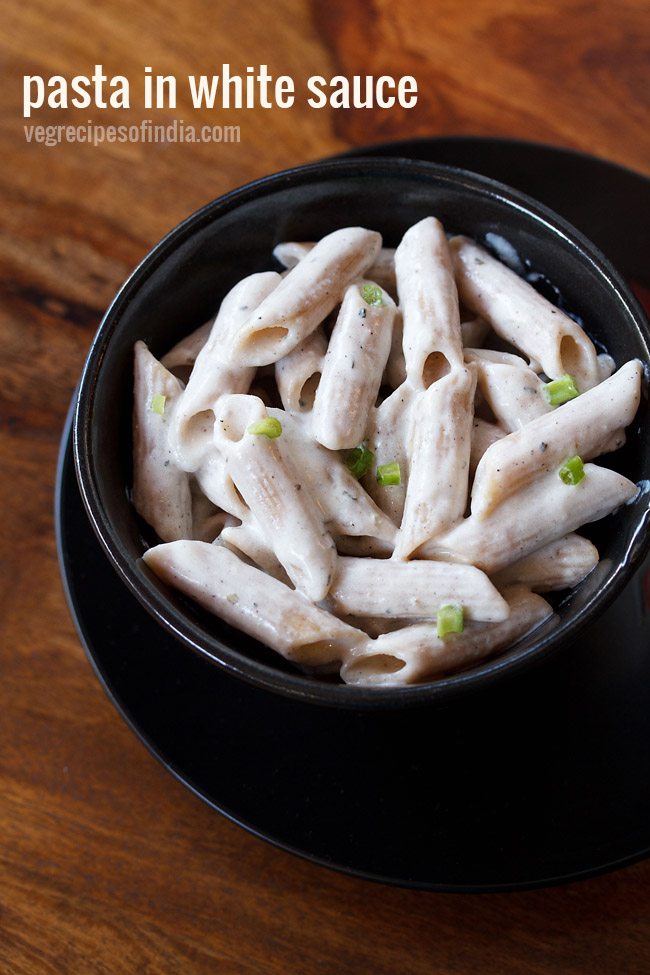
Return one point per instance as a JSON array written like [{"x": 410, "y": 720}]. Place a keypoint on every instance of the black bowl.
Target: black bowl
[{"x": 180, "y": 284}]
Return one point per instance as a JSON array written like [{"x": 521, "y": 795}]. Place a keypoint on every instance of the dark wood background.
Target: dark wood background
[{"x": 107, "y": 865}]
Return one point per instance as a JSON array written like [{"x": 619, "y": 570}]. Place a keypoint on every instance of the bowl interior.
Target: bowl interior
[{"x": 180, "y": 284}]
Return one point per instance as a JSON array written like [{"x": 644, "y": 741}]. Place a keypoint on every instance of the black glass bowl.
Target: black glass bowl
[{"x": 180, "y": 284}]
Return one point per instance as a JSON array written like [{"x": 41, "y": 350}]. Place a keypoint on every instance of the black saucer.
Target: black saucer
[{"x": 540, "y": 779}]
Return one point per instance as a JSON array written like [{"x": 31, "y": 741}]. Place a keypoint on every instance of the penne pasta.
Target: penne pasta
[
  {"x": 254, "y": 602},
  {"x": 561, "y": 564},
  {"x": 214, "y": 480},
  {"x": 522, "y": 316},
  {"x": 606, "y": 366},
  {"x": 290, "y": 252},
  {"x": 514, "y": 393},
  {"x": 207, "y": 519},
  {"x": 185, "y": 352},
  {"x": 382, "y": 270},
  {"x": 355, "y": 360},
  {"x": 484, "y": 434},
  {"x": 248, "y": 540},
  {"x": 387, "y": 432},
  {"x": 305, "y": 296},
  {"x": 417, "y": 653},
  {"x": 213, "y": 375},
  {"x": 346, "y": 507},
  {"x": 538, "y": 514},
  {"x": 364, "y": 587},
  {"x": 161, "y": 492},
  {"x": 293, "y": 524},
  {"x": 583, "y": 427},
  {"x": 298, "y": 374},
  {"x": 439, "y": 449},
  {"x": 495, "y": 355},
  {"x": 429, "y": 303}
]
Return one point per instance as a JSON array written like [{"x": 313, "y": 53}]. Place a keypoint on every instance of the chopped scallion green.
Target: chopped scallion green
[
  {"x": 388, "y": 474},
  {"x": 359, "y": 460},
  {"x": 572, "y": 471},
  {"x": 158, "y": 403},
  {"x": 561, "y": 390},
  {"x": 269, "y": 427},
  {"x": 372, "y": 294},
  {"x": 450, "y": 620}
]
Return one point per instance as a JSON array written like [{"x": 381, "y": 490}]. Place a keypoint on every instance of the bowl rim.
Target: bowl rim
[{"x": 299, "y": 686}]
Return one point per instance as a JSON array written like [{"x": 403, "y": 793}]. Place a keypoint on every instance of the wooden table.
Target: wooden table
[{"x": 107, "y": 864}]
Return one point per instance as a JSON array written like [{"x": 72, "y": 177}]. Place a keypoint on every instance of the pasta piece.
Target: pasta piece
[
  {"x": 606, "y": 366},
  {"x": 559, "y": 565},
  {"x": 347, "y": 508},
  {"x": 416, "y": 653},
  {"x": 387, "y": 433},
  {"x": 356, "y": 356},
  {"x": 538, "y": 514},
  {"x": 429, "y": 302},
  {"x": 484, "y": 434},
  {"x": 207, "y": 520},
  {"x": 364, "y": 587},
  {"x": 514, "y": 393},
  {"x": 522, "y": 316},
  {"x": 495, "y": 355},
  {"x": 383, "y": 270},
  {"x": 292, "y": 522},
  {"x": 211, "y": 528},
  {"x": 305, "y": 296},
  {"x": 246, "y": 598},
  {"x": 614, "y": 442},
  {"x": 248, "y": 539},
  {"x": 290, "y": 252},
  {"x": 213, "y": 375},
  {"x": 161, "y": 492},
  {"x": 184, "y": 353},
  {"x": 439, "y": 450},
  {"x": 583, "y": 426},
  {"x": 298, "y": 374},
  {"x": 215, "y": 482}
]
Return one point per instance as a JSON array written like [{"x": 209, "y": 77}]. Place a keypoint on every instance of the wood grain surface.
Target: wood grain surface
[{"x": 108, "y": 865}]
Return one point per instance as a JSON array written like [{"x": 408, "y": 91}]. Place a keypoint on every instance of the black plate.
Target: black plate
[{"x": 541, "y": 779}]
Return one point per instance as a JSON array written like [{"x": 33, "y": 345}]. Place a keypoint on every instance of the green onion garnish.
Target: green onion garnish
[
  {"x": 359, "y": 460},
  {"x": 268, "y": 427},
  {"x": 561, "y": 390},
  {"x": 388, "y": 474},
  {"x": 372, "y": 295},
  {"x": 572, "y": 470},
  {"x": 450, "y": 620},
  {"x": 158, "y": 403}
]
